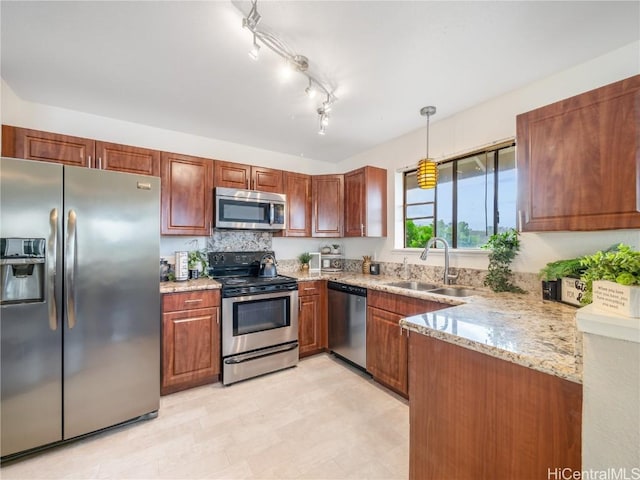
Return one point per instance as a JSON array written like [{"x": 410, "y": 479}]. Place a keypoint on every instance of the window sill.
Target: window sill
[{"x": 455, "y": 252}]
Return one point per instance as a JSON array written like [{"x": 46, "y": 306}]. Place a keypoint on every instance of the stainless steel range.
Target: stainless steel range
[{"x": 259, "y": 316}]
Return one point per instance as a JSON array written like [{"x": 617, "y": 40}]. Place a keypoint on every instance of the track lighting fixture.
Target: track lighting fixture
[
  {"x": 255, "y": 49},
  {"x": 295, "y": 61},
  {"x": 310, "y": 90},
  {"x": 427, "y": 173}
]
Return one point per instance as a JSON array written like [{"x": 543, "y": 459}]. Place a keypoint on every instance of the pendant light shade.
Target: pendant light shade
[{"x": 427, "y": 173}]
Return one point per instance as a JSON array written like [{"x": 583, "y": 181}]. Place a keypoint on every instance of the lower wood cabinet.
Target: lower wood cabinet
[
  {"x": 387, "y": 345},
  {"x": 190, "y": 339},
  {"x": 473, "y": 416},
  {"x": 312, "y": 317}
]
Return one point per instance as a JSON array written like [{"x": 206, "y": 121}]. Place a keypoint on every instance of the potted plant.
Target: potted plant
[
  {"x": 503, "y": 249},
  {"x": 304, "y": 259},
  {"x": 612, "y": 280},
  {"x": 335, "y": 248},
  {"x": 197, "y": 262},
  {"x": 556, "y": 282}
]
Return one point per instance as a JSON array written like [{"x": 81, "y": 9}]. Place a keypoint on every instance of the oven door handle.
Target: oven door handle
[
  {"x": 247, "y": 357},
  {"x": 272, "y": 214}
]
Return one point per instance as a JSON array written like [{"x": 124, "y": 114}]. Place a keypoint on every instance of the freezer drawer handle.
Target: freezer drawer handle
[
  {"x": 70, "y": 266},
  {"x": 51, "y": 268}
]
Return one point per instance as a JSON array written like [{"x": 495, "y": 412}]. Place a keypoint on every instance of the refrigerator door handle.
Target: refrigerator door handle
[
  {"x": 52, "y": 259},
  {"x": 70, "y": 269}
]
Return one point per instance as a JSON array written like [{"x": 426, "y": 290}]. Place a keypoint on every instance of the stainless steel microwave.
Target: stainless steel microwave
[{"x": 249, "y": 209}]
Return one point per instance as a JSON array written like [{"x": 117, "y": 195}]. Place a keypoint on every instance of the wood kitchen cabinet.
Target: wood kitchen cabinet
[
  {"x": 251, "y": 177},
  {"x": 124, "y": 158},
  {"x": 79, "y": 152},
  {"x": 187, "y": 195},
  {"x": 297, "y": 188},
  {"x": 365, "y": 202},
  {"x": 327, "y": 201},
  {"x": 473, "y": 416},
  {"x": 387, "y": 345},
  {"x": 190, "y": 339},
  {"x": 312, "y": 317},
  {"x": 578, "y": 161}
]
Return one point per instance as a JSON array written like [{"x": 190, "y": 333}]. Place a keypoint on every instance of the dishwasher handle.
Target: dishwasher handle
[{"x": 351, "y": 289}]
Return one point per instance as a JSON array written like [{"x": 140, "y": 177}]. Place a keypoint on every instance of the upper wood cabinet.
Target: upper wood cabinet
[
  {"x": 365, "y": 202},
  {"x": 123, "y": 158},
  {"x": 579, "y": 161},
  {"x": 237, "y": 175},
  {"x": 47, "y": 147},
  {"x": 327, "y": 205},
  {"x": 79, "y": 152},
  {"x": 297, "y": 188},
  {"x": 187, "y": 195}
]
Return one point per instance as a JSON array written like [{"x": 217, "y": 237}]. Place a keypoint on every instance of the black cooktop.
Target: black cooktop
[{"x": 238, "y": 274}]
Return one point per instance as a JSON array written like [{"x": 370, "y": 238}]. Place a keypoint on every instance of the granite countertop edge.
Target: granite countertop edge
[{"x": 530, "y": 332}]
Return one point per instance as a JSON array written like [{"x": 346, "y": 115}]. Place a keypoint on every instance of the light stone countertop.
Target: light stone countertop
[
  {"x": 203, "y": 283},
  {"x": 522, "y": 329}
]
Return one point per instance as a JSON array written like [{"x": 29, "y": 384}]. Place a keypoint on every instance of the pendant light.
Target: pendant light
[{"x": 427, "y": 173}]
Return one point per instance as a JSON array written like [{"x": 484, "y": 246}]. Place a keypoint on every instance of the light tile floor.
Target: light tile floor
[{"x": 320, "y": 420}]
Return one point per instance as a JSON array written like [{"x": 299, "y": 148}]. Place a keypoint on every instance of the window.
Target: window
[{"x": 475, "y": 198}]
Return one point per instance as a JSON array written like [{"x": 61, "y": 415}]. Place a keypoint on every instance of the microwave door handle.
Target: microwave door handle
[{"x": 272, "y": 214}]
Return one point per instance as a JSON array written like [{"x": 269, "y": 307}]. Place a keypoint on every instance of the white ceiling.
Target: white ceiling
[{"x": 184, "y": 66}]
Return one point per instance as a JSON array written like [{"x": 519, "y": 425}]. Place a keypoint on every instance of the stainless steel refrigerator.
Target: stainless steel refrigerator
[{"x": 80, "y": 303}]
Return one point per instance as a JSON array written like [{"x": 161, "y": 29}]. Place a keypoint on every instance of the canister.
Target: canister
[
  {"x": 182, "y": 266},
  {"x": 374, "y": 268}
]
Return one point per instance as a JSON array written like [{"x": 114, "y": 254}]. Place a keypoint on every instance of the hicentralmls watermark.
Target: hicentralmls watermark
[{"x": 560, "y": 473}]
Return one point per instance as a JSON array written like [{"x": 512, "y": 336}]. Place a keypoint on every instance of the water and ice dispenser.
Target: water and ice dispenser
[{"x": 22, "y": 263}]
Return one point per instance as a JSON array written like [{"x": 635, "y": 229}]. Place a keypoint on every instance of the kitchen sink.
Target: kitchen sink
[
  {"x": 454, "y": 292},
  {"x": 412, "y": 285}
]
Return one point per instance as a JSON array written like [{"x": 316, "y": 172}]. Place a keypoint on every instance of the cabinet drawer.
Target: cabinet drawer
[
  {"x": 400, "y": 304},
  {"x": 310, "y": 288},
  {"x": 173, "y": 302}
]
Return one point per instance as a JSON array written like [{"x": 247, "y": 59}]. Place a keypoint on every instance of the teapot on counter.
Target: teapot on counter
[{"x": 268, "y": 266}]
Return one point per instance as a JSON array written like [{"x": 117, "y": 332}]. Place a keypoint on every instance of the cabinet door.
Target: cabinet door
[
  {"x": 365, "y": 203},
  {"x": 187, "y": 195},
  {"x": 578, "y": 166},
  {"x": 309, "y": 325},
  {"x": 354, "y": 203},
  {"x": 232, "y": 175},
  {"x": 47, "y": 147},
  {"x": 297, "y": 187},
  {"x": 190, "y": 348},
  {"x": 327, "y": 203},
  {"x": 266, "y": 180},
  {"x": 124, "y": 158},
  {"x": 312, "y": 317},
  {"x": 387, "y": 349}
]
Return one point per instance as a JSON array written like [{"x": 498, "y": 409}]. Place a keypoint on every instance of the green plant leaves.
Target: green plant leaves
[{"x": 504, "y": 247}]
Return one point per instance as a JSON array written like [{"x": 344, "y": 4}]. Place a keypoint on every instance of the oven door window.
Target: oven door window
[
  {"x": 261, "y": 315},
  {"x": 243, "y": 211}
]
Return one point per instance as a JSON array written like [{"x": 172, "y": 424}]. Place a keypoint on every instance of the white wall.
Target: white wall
[
  {"x": 20, "y": 113},
  {"x": 611, "y": 404},
  {"x": 483, "y": 124}
]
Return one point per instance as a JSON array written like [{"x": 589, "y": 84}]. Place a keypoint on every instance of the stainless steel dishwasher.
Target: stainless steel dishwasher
[{"x": 348, "y": 322}]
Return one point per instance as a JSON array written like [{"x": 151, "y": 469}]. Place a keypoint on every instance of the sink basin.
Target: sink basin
[
  {"x": 412, "y": 285},
  {"x": 454, "y": 292}
]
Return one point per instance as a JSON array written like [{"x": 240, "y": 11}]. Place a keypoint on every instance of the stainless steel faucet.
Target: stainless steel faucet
[
  {"x": 405, "y": 271},
  {"x": 432, "y": 241}
]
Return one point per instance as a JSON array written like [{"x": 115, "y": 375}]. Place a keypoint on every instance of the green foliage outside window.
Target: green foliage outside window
[{"x": 416, "y": 235}]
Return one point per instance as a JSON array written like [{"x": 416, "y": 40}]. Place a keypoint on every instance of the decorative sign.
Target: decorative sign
[{"x": 616, "y": 298}]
